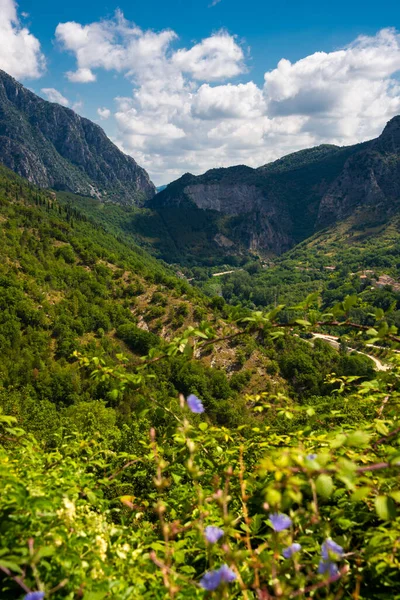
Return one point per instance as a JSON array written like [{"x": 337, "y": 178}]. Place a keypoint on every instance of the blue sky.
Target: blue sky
[{"x": 189, "y": 77}]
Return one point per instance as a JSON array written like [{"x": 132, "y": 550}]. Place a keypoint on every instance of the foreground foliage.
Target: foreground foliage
[
  {"x": 298, "y": 507},
  {"x": 113, "y": 485}
]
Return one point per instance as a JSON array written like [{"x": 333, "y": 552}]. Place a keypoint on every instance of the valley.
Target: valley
[{"x": 214, "y": 361}]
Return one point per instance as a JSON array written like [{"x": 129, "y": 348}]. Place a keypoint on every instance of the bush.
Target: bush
[{"x": 137, "y": 339}]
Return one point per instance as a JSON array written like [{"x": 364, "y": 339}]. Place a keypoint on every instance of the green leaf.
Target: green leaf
[
  {"x": 360, "y": 494},
  {"x": 338, "y": 441},
  {"x": 381, "y": 427},
  {"x": 324, "y": 485},
  {"x": 95, "y": 595},
  {"x": 372, "y": 332},
  {"x": 113, "y": 394},
  {"x": 385, "y": 508},
  {"x": 358, "y": 438},
  {"x": 256, "y": 523},
  {"x": 349, "y": 301},
  {"x": 10, "y": 565},
  {"x": 303, "y": 323}
]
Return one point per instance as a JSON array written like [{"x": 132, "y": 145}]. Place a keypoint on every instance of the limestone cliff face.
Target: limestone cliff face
[
  {"x": 370, "y": 180},
  {"x": 239, "y": 209},
  {"x": 235, "y": 199},
  {"x": 54, "y": 147},
  {"x": 262, "y": 225}
]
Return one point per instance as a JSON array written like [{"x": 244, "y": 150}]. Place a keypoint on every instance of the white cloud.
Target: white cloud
[
  {"x": 54, "y": 95},
  {"x": 215, "y": 58},
  {"x": 347, "y": 95},
  {"x": 82, "y": 75},
  {"x": 114, "y": 44},
  {"x": 228, "y": 101},
  {"x": 104, "y": 113},
  {"x": 184, "y": 116},
  {"x": 20, "y": 53}
]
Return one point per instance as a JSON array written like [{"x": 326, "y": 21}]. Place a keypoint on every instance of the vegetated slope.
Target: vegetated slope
[
  {"x": 353, "y": 257},
  {"x": 272, "y": 208},
  {"x": 113, "y": 492},
  {"x": 66, "y": 284},
  {"x": 53, "y": 147}
]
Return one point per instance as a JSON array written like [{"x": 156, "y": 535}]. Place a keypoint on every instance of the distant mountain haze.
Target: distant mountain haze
[{"x": 53, "y": 147}]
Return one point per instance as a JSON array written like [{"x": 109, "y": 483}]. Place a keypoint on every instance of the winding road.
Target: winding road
[{"x": 333, "y": 341}]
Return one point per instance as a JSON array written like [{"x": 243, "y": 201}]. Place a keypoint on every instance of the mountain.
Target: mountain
[
  {"x": 272, "y": 208},
  {"x": 370, "y": 179},
  {"x": 53, "y": 147}
]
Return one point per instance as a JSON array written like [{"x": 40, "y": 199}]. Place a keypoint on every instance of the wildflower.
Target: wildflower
[
  {"x": 280, "y": 521},
  {"x": 311, "y": 456},
  {"x": 67, "y": 513},
  {"x": 34, "y": 596},
  {"x": 330, "y": 547},
  {"x": 290, "y": 550},
  {"x": 328, "y": 566},
  {"x": 213, "y": 534},
  {"x": 195, "y": 404},
  {"x": 330, "y": 552},
  {"x": 227, "y": 575},
  {"x": 101, "y": 546},
  {"x": 211, "y": 580}
]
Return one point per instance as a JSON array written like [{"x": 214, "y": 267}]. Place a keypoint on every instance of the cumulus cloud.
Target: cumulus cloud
[
  {"x": 54, "y": 95},
  {"x": 228, "y": 101},
  {"x": 114, "y": 44},
  {"x": 104, "y": 113},
  {"x": 215, "y": 58},
  {"x": 20, "y": 53},
  {"x": 346, "y": 95},
  {"x": 82, "y": 75},
  {"x": 184, "y": 114}
]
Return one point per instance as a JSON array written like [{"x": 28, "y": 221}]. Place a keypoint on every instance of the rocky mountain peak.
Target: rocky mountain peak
[
  {"x": 53, "y": 147},
  {"x": 389, "y": 140}
]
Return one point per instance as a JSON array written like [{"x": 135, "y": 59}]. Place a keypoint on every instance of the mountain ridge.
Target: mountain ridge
[
  {"x": 272, "y": 208},
  {"x": 53, "y": 147}
]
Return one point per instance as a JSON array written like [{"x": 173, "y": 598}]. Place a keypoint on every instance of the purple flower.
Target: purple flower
[
  {"x": 290, "y": 550},
  {"x": 227, "y": 575},
  {"x": 330, "y": 551},
  {"x": 195, "y": 404},
  {"x": 311, "y": 456},
  {"x": 328, "y": 566},
  {"x": 280, "y": 521},
  {"x": 213, "y": 534},
  {"x": 211, "y": 580},
  {"x": 330, "y": 547},
  {"x": 34, "y": 596}
]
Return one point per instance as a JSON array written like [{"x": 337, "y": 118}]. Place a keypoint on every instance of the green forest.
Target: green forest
[{"x": 165, "y": 433}]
